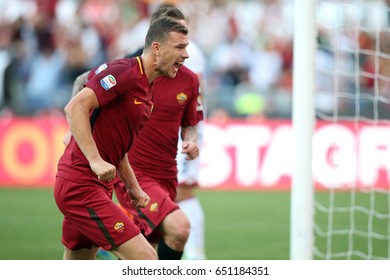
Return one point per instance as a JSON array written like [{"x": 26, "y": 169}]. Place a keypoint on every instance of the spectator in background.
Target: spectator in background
[
  {"x": 96, "y": 25},
  {"x": 384, "y": 70},
  {"x": 15, "y": 72},
  {"x": 130, "y": 40},
  {"x": 43, "y": 89},
  {"x": 5, "y": 61},
  {"x": 248, "y": 101},
  {"x": 229, "y": 62}
]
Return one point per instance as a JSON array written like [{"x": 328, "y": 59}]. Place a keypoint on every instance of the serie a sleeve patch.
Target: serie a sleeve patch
[{"x": 108, "y": 82}]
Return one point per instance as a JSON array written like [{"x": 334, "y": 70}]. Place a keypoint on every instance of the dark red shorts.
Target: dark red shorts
[
  {"x": 90, "y": 216},
  {"x": 162, "y": 193}
]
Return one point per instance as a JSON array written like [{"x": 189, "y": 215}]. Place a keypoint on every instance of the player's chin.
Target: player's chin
[
  {"x": 172, "y": 74},
  {"x": 173, "y": 71}
]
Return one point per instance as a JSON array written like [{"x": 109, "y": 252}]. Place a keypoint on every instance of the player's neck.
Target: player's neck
[{"x": 150, "y": 66}]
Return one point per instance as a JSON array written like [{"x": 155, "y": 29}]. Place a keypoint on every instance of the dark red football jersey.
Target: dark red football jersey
[
  {"x": 125, "y": 103},
  {"x": 175, "y": 104}
]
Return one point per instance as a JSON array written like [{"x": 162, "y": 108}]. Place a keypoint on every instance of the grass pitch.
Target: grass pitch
[
  {"x": 30, "y": 225},
  {"x": 239, "y": 225}
]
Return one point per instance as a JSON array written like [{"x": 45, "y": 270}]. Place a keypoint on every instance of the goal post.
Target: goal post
[{"x": 303, "y": 117}]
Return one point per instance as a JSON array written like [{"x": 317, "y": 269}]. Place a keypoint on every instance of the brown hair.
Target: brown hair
[
  {"x": 159, "y": 30},
  {"x": 167, "y": 11}
]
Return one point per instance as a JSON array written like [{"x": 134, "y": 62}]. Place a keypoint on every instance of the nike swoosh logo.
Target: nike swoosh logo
[{"x": 137, "y": 102}]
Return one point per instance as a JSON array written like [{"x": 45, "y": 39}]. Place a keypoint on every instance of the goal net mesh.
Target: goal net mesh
[{"x": 352, "y": 203}]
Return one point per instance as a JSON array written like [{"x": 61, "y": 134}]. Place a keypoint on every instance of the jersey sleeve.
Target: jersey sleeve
[
  {"x": 107, "y": 81},
  {"x": 199, "y": 104},
  {"x": 193, "y": 112}
]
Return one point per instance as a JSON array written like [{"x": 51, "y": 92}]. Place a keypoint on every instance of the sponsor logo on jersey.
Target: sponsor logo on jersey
[
  {"x": 136, "y": 102},
  {"x": 108, "y": 82},
  {"x": 101, "y": 68},
  {"x": 181, "y": 98},
  {"x": 153, "y": 207},
  {"x": 119, "y": 226}
]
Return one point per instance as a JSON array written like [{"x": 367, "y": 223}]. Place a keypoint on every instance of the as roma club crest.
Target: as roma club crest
[
  {"x": 153, "y": 207},
  {"x": 119, "y": 226},
  {"x": 181, "y": 98}
]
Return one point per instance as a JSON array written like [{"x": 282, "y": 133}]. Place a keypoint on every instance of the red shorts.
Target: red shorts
[
  {"x": 90, "y": 216},
  {"x": 162, "y": 193}
]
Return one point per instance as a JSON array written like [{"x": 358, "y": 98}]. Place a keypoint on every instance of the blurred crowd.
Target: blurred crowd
[{"x": 248, "y": 45}]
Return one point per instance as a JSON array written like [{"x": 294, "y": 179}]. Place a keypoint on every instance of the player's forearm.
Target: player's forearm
[
  {"x": 189, "y": 133},
  {"x": 126, "y": 173},
  {"x": 190, "y": 146},
  {"x": 78, "y": 84},
  {"x": 137, "y": 196}
]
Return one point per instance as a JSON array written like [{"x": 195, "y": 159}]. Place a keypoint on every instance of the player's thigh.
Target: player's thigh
[
  {"x": 161, "y": 203},
  {"x": 137, "y": 248},
  {"x": 95, "y": 218}
]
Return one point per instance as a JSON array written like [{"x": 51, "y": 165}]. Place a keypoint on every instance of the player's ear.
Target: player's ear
[{"x": 156, "y": 48}]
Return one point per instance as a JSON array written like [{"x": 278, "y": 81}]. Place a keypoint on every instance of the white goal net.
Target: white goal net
[{"x": 352, "y": 207}]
